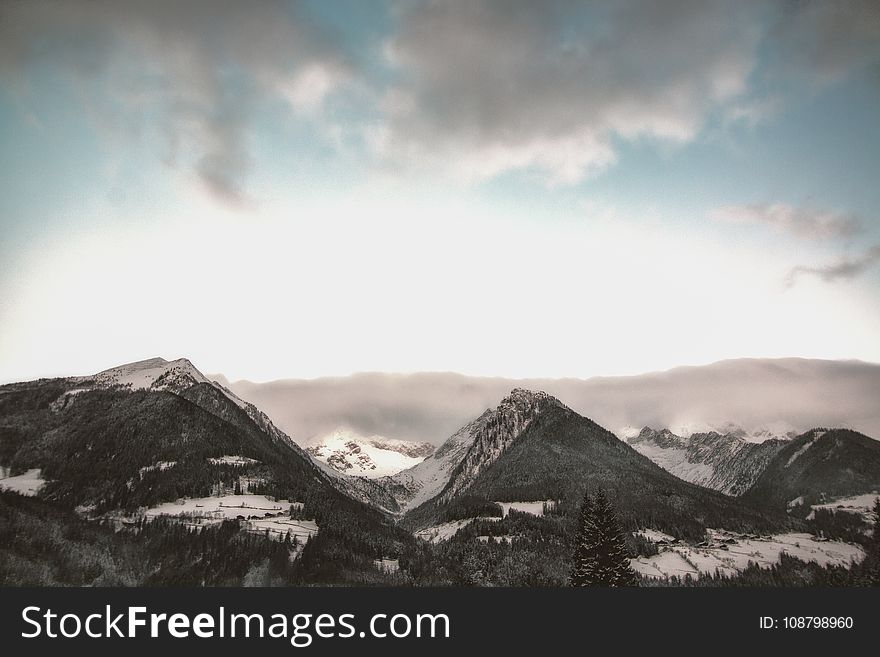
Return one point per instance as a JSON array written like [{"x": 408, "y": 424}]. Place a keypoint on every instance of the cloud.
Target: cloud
[
  {"x": 489, "y": 87},
  {"x": 822, "y": 41},
  {"x": 751, "y": 393},
  {"x": 802, "y": 222},
  {"x": 197, "y": 68},
  {"x": 843, "y": 269}
]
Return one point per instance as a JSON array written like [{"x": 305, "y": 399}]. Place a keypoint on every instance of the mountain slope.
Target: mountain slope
[
  {"x": 819, "y": 464},
  {"x": 726, "y": 462},
  {"x": 416, "y": 485},
  {"x": 532, "y": 447}
]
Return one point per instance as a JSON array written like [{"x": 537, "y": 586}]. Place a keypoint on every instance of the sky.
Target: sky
[{"x": 516, "y": 189}]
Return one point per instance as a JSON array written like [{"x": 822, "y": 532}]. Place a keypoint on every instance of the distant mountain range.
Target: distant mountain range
[
  {"x": 726, "y": 462},
  {"x": 374, "y": 456}
]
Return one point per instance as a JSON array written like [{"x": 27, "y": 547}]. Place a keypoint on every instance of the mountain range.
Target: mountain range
[{"x": 157, "y": 438}]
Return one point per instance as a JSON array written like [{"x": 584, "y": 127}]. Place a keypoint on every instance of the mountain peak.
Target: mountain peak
[
  {"x": 152, "y": 373},
  {"x": 532, "y": 399}
]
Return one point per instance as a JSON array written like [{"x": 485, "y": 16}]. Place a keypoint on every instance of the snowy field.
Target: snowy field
[
  {"x": 730, "y": 553},
  {"x": 858, "y": 504},
  {"x": 28, "y": 483},
  {"x": 447, "y": 530},
  {"x": 235, "y": 460},
  {"x": 387, "y": 565},
  {"x": 261, "y": 514},
  {"x": 224, "y": 507},
  {"x": 655, "y": 537},
  {"x": 281, "y": 526},
  {"x": 534, "y": 508}
]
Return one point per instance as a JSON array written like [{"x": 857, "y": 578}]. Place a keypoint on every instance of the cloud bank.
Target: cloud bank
[{"x": 798, "y": 394}]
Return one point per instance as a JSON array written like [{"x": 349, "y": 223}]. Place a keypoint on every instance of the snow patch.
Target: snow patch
[
  {"x": 534, "y": 508},
  {"x": 655, "y": 536},
  {"x": 387, "y": 565},
  {"x": 260, "y": 514},
  {"x": 28, "y": 483},
  {"x": 223, "y": 507},
  {"x": 447, "y": 530},
  {"x": 812, "y": 441},
  {"x": 233, "y": 460},
  {"x": 160, "y": 466}
]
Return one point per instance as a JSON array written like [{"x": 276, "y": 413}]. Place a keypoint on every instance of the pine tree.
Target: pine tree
[
  {"x": 585, "y": 546},
  {"x": 601, "y": 557}
]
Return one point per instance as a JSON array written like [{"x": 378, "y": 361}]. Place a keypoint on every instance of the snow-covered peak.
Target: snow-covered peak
[
  {"x": 368, "y": 456},
  {"x": 777, "y": 430},
  {"x": 152, "y": 374}
]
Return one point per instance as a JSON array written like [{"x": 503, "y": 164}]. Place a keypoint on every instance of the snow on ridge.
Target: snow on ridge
[
  {"x": 153, "y": 373},
  {"x": 428, "y": 478}
]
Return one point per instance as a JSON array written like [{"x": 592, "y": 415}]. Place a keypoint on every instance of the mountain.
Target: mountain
[
  {"x": 371, "y": 457},
  {"x": 533, "y": 447},
  {"x": 177, "y": 376},
  {"x": 154, "y": 432},
  {"x": 459, "y": 458},
  {"x": 819, "y": 465},
  {"x": 728, "y": 462}
]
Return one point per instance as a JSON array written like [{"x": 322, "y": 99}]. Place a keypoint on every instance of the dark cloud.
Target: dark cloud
[
  {"x": 822, "y": 41},
  {"x": 196, "y": 67},
  {"x": 752, "y": 393},
  {"x": 802, "y": 222},
  {"x": 843, "y": 269},
  {"x": 495, "y": 86},
  {"x": 477, "y": 88},
  {"x": 487, "y": 87}
]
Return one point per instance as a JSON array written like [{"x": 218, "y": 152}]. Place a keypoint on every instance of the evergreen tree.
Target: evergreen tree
[
  {"x": 601, "y": 557},
  {"x": 585, "y": 546}
]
